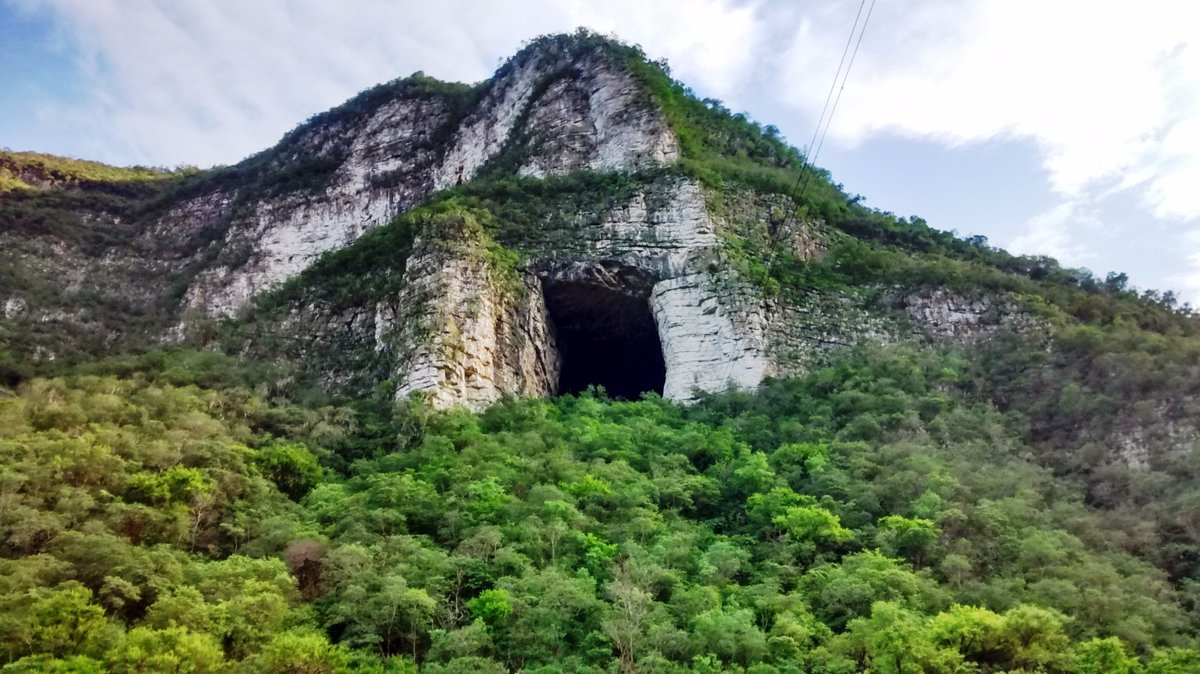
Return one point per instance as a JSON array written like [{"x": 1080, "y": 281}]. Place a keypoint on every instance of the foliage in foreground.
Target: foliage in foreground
[{"x": 865, "y": 516}]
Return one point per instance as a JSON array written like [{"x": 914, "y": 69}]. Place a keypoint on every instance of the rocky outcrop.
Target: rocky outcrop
[
  {"x": 468, "y": 328},
  {"x": 455, "y": 330},
  {"x": 465, "y": 334},
  {"x": 478, "y": 342},
  {"x": 628, "y": 254},
  {"x": 661, "y": 246},
  {"x": 711, "y": 341},
  {"x": 595, "y": 116},
  {"x": 385, "y": 169},
  {"x": 944, "y": 315},
  {"x": 555, "y": 110}
]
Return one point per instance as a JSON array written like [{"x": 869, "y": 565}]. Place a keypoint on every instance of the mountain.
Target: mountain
[{"x": 354, "y": 375}]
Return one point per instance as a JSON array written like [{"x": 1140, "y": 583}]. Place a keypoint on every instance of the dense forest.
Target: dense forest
[
  {"x": 163, "y": 514},
  {"x": 900, "y": 508}
]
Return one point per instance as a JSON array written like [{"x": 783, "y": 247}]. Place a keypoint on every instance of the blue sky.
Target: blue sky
[{"x": 1062, "y": 127}]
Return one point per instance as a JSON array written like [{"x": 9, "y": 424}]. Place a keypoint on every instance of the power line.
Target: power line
[
  {"x": 836, "y": 75},
  {"x": 828, "y": 98},
  {"x": 811, "y": 153},
  {"x": 817, "y": 153}
]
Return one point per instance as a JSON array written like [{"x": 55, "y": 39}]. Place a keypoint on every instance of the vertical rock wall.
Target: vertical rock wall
[
  {"x": 459, "y": 330},
  {"x": 601, "y": 121},
  {"x": 711, "y": 342},
  {"x": 466, "y": 337},
  {"x": 559, "y": 110},
  {"x": 281, "y": 235},
  {"x": 660, "y": 245}
]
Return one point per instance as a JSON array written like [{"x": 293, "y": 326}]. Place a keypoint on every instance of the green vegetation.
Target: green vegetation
[
  {"x": 83, "y": 218},
  {"x": 719, "y": 148},
  {"x": 987, "y": 508},
  {"x": 47, "y": 196},
  {"x": 505, "y": 218},
  {"x": 355, "y": 280},
  {"x": 32, "y": 170},
  {"x": 159, "y": 513},
  {"x": 1061, "y": 296},
  {"x": 307, "y": 156},
  {"x": 728, "y": 151}
]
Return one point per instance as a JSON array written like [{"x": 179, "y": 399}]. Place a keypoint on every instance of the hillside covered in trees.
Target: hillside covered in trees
[
  {"x": 1009, "y": 487},
  {"x": 161, "y": 515}
]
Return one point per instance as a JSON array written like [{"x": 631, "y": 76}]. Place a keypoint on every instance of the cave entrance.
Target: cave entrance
[{"x": 606, "y": 337}]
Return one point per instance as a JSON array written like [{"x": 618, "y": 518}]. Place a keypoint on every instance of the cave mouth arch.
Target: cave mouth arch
[{"x": 606, "y": 336}]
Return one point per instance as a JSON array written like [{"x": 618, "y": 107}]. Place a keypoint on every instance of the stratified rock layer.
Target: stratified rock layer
[
  {"x": 567, "y": 111},
  {"x": 479, "y": 340},
  {"x": 461, "y": 325}
]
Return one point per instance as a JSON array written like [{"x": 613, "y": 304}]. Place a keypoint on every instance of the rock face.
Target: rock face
[
  {"x": 941, "y": 314},
  {"x": 664, "y": 249},
  {"x": 639, "y": 279},
  {"x": 711, "y": 342},
  {"x": 279, "y": 236},
  {"x": 577, "y": 109},
  {"x": 480, "y": 340},
  {"x": 465, "y": 336}
]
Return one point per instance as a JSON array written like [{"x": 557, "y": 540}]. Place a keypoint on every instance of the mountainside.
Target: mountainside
[{"x": 232, "y": 416}]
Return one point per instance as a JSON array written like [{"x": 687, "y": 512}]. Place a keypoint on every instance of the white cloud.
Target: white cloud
[
  {"x": 1055, "y": 232},
  {"x": 1108, "y": 90},
  {"x": 211, "y": 82},
  {"x": 709, "y": 42},
  {"x": 1188, "y": 279}
]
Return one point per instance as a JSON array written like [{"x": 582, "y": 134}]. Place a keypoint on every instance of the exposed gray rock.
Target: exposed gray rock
[
  {"x": 14, "y": 307},
  {"x": 467, "y": 340},
  {"x": 711, "y": 342},
  {"x": 660, "y": 245},
  {"x": 596, "y": 117},
  {"x": 282, "y": 235},
  {"x": 575, "y": 111},
  {"x": 457, "y": 328},
  {"x": 945, "y": 315}
]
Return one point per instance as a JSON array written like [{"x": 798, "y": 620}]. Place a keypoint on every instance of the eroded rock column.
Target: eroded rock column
[{"x": 709, "y": 342}]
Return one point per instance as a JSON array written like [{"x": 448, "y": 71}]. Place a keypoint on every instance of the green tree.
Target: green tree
[
  {"x": 1103, "y": 656},
  {"x": 911, "y": 537},
  {"x": 171, "y": 650},
  {"x": 813, "y": 524},
  {"x": 847, "y": 590},
  {"x": 1035, "y": 638},
  {"x": 976, "y": 633},
  {"x": 383, "y": 612},
  {"x": 1174, "y": 661},
  {"x": 299, "y": 652},
  {"x": 491, "y": 606},
  {"x": 895, "y": 640},
  {"x": 59, "y": 622},
  {"x": 627, "y": 619},
  {"x": 732, "y": 636},
  {"x": 292, "y": 467}
]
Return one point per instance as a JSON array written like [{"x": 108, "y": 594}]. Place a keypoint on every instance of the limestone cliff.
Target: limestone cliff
[
  {"x": 575, "y": 107},
  {"x": 471, "y": 242},
  {"x": 581, "y": 219}
]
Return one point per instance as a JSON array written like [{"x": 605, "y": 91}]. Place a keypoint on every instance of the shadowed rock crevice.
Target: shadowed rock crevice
[{"x": 606, "y": 337}]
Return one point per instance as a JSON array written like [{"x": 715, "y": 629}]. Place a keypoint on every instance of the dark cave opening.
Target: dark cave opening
[{"x": 606, "y": 338}]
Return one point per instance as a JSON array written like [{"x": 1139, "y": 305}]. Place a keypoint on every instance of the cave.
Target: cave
[{"x": 606, "y": 337}]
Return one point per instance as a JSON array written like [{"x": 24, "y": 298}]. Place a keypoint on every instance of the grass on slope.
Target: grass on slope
[{"x": 33, "y": 170}]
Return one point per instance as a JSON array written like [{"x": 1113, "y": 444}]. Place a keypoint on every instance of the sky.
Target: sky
[{"x": 1068, "y": 128}]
